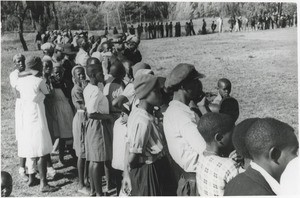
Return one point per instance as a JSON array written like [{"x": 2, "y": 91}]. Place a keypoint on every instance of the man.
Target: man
[
  {"x": 220, "y": 22},
  {"x": 171, "y": 29},
  {"x": 131, "y": 52},
  {"x": 161, "y": 27},
  {"x": 185, "y": 143},
  {"x": 167, "y": 29},
  {"x": 146, "y": 31},
  {"x": 192, "y": 27},
  {"x": 82, "y": 54}
]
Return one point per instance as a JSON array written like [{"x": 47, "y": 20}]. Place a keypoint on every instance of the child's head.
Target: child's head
[
  {"x": 117, "y": 69},
  {"x": 148, "y": 88},
  {"x": 78, "y": 74},
  {"x": 272, "y": 144},
  {"x": 92, "y": 61},
  {"x": 19, "y": 60},
  {"x": 47, "y": 67},
  {"x": 95, "y": 73},
  {"x": 239, "y": 135},
  {"x": 216, "y": 129},
  {"x": 224, "y": 87},
  {"x": 58, "y": 72}
]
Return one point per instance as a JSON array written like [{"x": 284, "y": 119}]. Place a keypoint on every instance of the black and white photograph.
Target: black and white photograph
[{"x": 149, "y": 98}]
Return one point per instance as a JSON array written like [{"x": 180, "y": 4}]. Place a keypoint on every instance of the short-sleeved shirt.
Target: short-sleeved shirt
[
  {"x": 81, "y": 57},
  {"x": 145, "y": 137},
  {"x": 185, "y": 143},
  {"x": 213, "y": 173},
  {"x": 95, "y": 101},
  {"x": 77, "y": 94},
  {"x": 13, "y": 78}
]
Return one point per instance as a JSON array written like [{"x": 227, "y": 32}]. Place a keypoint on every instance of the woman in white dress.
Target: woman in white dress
[{"x": 35, "y": 141}]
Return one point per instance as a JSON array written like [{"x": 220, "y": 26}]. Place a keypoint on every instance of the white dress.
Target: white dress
[{"x": 35, "y": 140}]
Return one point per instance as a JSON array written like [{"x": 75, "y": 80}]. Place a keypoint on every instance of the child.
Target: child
[
  {"x": 238, "y": 140},
  {"x": 146, "y": 170},
  {"x": 224, "y": 87},
  {"x": 114, "y": 88},
  {"x": 36, "y": 140},
  {"x": 97, "y": 141},
  {"x": 61, "y": 109},
  {"x": 272, "y": 145},
  {"x": 78, "y": 73},
  {"x": 213, "y": 170},
  {"x": 19, "y": 61}
]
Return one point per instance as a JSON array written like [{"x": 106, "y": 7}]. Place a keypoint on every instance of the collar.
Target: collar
[
  {"x": 270, "y": 180},
  {"x": 180, "y": 105}
]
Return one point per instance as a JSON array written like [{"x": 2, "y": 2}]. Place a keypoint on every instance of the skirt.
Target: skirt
[
  {"x": 62, "y": 115},
  {"x": 119, "y": 145},
  {"x": 35, "y": 140},
  {"x": 79, "y": 134},
  {"x": 98, "y": 141},
  {"x": 152, "y": 179}
]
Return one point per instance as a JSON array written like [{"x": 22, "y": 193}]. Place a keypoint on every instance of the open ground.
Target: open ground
[{"x": 262, "y": 67}]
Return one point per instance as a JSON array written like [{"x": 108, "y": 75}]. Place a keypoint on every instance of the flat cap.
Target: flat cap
[
  {"x": 144, "y": 84},
  {"x": 181, "y": 72}
]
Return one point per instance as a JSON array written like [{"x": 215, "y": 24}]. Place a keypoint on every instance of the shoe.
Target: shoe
[{"x": 51, "y": 172}]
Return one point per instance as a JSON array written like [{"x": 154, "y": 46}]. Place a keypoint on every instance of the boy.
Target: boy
[
  {"x": 272, "y": 145},
  {"x": 224, "y": 87},
  {"x": 213, "y": 170}
]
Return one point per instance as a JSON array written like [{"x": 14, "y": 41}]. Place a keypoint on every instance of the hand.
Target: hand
[
  {"x": 233, "y": 155},
  {"x": 126, "y": 185}
]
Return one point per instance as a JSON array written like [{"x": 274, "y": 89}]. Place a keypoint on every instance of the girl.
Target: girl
[
  {"x": 61, "y": 109},
  {"x": 97, "y": 140},
  {"x": 36, "y": 140},
  {"x": 78, "y": 73},
  {"x": 146, "y": 171},
  {"x": 19, "y": 61}
]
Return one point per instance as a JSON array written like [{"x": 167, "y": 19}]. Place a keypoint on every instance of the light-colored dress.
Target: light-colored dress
[
  {"x": 35, "y": 140},
  {"x": 13, "y": 79},
  {"x": 62, "y": 113},
  {"x": 98, "y": 140}
]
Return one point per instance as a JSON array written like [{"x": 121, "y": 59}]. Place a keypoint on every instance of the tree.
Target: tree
[{"x": 18, "y": 10}]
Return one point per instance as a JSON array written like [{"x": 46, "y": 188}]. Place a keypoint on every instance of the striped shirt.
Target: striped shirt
[{"x": 145, "y": 136}]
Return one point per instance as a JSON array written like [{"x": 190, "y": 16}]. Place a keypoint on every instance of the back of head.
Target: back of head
[
  {"x": 93, "y": 69},
  {"x": 238, "y": 137},
  {"x": 93, "y": 60},
  {"x": 211, "y": 124},
  {"x": 267, "y": 133}
]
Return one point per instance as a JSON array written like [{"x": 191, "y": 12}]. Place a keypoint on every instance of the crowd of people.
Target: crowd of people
[
  {"x": 255, "y": 22},
  {"x": 94, "y": 98}
]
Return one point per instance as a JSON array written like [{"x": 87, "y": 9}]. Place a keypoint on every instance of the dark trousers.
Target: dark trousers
[{"x": 187, "y": 185}]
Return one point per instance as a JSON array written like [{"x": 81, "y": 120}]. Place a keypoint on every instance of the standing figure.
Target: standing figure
[
  {"x": 213, "y": 27},
  {"x": 167, "y": 29},
  {"x": 146, "y": 31},
  {"x": 220, "y": 22},
  {"x": 171, "y": 29},
  {"x": 161, "y": 27},
  {"x": 192, "y": 27},
  {"x": 204, "y": 27},
  {"x": 38, "y": 40}
]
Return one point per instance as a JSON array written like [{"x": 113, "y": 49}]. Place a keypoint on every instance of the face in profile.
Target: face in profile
[{"x": 155, "y": 96}]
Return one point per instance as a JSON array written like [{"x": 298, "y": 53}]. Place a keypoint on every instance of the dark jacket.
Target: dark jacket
[{"x": 251, "y": 182}]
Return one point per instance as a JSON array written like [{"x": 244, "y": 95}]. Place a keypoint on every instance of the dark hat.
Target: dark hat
[
  {"x": 68, "y": 49},
  {"x": 34, "y": 65},
  {"x": 144, "y": 84},
  {"x": 139, "y": 66},
  {"x": 182, "y": 72}
]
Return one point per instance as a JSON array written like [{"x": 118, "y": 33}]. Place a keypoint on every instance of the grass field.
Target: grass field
[{"x": 262, "y": 67}]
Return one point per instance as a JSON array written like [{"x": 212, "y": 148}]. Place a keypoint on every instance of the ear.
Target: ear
[
  {"x": 274, "y": 154},
  {"x": 218, "y": 138}
]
